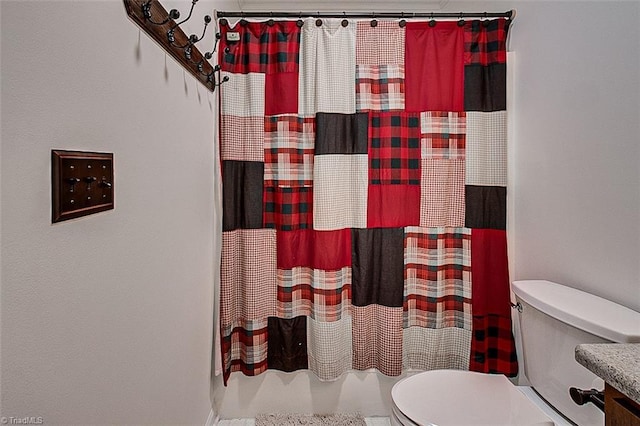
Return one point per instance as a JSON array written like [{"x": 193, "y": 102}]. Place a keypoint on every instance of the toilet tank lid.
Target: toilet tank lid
[{"x": 582, "y": 310}]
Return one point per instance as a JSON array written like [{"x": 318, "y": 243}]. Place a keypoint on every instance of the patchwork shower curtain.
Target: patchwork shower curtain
[{"x": 364, "y": 197}]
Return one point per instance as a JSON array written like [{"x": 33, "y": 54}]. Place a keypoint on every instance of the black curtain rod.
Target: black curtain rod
[{"x": 510, "y": 14}]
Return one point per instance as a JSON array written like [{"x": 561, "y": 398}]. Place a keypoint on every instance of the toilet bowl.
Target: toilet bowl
[
  {"x": 463, "y": 398},
  {"x": 553, "y": 320}
]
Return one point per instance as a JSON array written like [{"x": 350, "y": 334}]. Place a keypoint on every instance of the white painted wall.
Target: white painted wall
[
  {"x": 575, "y": 180},
  {"x": 577, "y": 164},
  {"x": 106, "y": 319}
]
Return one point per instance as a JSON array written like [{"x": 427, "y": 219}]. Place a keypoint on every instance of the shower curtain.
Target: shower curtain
[{"x": 364, "y": 197}]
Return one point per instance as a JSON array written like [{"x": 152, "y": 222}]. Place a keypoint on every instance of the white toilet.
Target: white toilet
[{"x": 553, "y": 320}]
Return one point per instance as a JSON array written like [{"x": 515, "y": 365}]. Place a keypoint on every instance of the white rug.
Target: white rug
[{"x": 310, "y": 420}]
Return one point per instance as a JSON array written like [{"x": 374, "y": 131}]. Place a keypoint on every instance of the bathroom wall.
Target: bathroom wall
[
  {"x": 106, "y": 319},
  {"x": 576, "y": 174},
  {"x": 574, "y": 177}
]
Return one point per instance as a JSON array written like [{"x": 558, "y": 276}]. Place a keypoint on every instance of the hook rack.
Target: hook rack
[{"x": 160, "y": 25}]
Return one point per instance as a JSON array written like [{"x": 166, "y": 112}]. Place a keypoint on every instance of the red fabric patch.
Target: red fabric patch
[
  {"x": 393, "y": 206},
  {"x": 485, "y": 42},
  {"x": 434, "y": 67},
  {"x": 260, "y": 48},
  {"x": 328, "y": 250},
  {"x": 281, "y": 93},
  {"x": 288, "y": 208},
  {"x": 493, "y": 349},
  {"x": 394, "y": 148},
  {"x": 490, "y": 272}
]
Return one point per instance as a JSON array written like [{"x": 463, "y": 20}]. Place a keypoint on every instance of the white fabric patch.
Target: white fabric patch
[
  {"x": 329, "y": 347},
  {"x": 431, "y": 349},
  {"x": 327, "y": 79},
  {"x": 486, "y": 151},
  {"x": 243, "y": 95},
  {"x": 340, "y": 191}
]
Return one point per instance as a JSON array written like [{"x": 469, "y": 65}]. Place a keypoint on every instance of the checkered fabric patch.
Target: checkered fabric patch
[
  {"x": 318, "y": 294},
  {"x": 380, "y": 45},
  {"x": 443, "y": 134},
  {"x": 242, "y": 138},
  {"x": 379, "y": 87},
  {"x": 244, "y": 347},
  {"x": 436, "y": 349},
  {"x": 493, "y": 348},
  {"x": 327, "y": 68},
  {"x": 394, "y": 148},
  {"x": 437, "y": 291},
  {"x": 288, "y": 209},
  {"x": 243, "y": 95},
  {"x": 377, "y": 339},
  {"x": 329, "y": 346},
  {"x": 340, "y": 191},
  {"x": 248, "y": 287},
  {"x": 261, "y": 48},
  {"x": 485, "y": 45},
  {"x": 288, "y": 150},
  {"x": 442, "y": 195},
  {"x": 486, "y": 148}
]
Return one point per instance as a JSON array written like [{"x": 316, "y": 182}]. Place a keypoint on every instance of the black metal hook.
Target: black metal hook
[
  {"x": 432, "y": 22},
  {"x": 374, "y": 21},
  {"x": 300, "y": 22},
  {"x": 171, "y": 33},
  {"x": 403, "y": 22},
  {"x": 146, "y": 12},
  {"x": 209, "y": 55},
  {"x": 193, "y": 4}
]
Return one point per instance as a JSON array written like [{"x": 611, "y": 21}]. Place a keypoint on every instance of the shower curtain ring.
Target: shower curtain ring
[{"x": 345, "y": 22}]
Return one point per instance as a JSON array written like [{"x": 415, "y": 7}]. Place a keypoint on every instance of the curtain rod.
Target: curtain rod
[{"x": 510, "y": 14}]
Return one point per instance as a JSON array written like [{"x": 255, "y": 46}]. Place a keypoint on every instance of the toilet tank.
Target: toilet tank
[{"x": 553, "y": 321}]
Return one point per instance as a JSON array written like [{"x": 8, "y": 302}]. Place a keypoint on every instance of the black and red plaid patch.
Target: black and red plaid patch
[
  {"x": 485, "y": 42},
  {"x": 493, "y": 348},
  {"x": 288, "y": 208},
  {"x": 394, "y": 148},
  {"x": 261, "y": 48}
]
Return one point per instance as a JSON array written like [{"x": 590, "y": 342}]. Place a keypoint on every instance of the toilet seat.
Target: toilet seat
[{"x": 454, "y": 397}]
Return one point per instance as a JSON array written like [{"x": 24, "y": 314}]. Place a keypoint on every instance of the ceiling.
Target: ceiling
[{"x": 323, "y": 5}]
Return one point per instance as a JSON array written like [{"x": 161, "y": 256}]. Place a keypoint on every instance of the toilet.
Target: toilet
[{"x": 553, "y": 319}]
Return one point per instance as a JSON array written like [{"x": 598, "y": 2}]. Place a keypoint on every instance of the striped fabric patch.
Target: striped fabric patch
[
  {"x": 379, "y": 87},
  {"x": 316, "y": 293},
  {"x": 443, "y": 134},
  {"x": 437, "y": 277}
]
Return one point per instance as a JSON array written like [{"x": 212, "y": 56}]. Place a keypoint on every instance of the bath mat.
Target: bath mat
[{"x": 310, "y": 420}]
